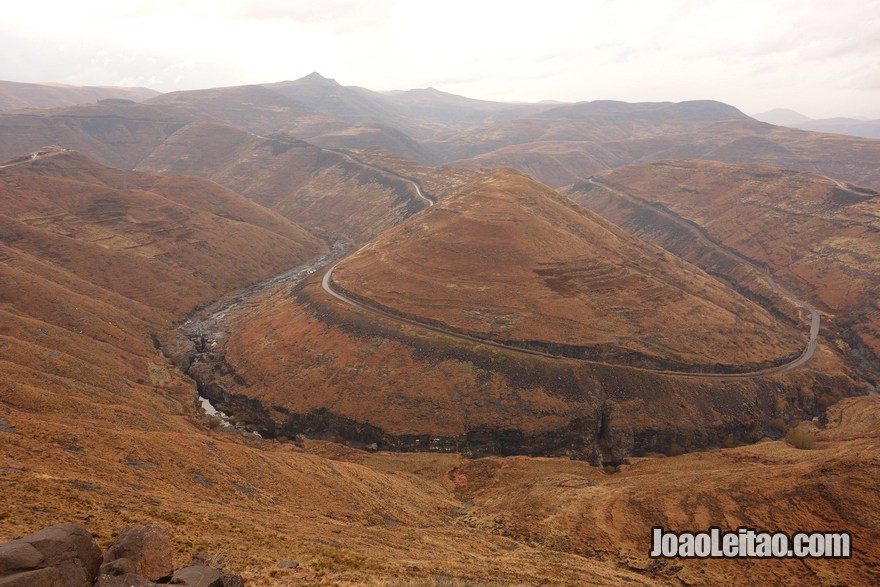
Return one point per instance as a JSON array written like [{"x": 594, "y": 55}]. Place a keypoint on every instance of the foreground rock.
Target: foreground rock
[
  {"x": 198, "y": 576},
  {"x": 67, "y": 556},
  {"x": 47, "y": 577},
  {"x": 202, "y": 576},
  {"x": 141, "y": 550},
  {"x": 62, "y": 555},
  {"x": 126, "y": 580}
]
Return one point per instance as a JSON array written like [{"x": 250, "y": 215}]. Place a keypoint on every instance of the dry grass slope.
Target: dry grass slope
[
  {"x": 512, "y": 260},
  {"x": 819, "y": 236}
]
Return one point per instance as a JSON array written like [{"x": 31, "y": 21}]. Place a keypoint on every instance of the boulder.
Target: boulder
[
  {"x": 198, "y": 576},
  {"x": 6, "y": 427},
  {"x": 71, "y": 550},
  {"x": 232, "y": 580},
  {"x": 208, "y": 560},
  {"x": 140, "y": 550},
  {"x": 127, "y": 580},
  {"x": 203, "y": 576},
  {"x": 118, "y": 567},
  {"x": 47, "y": 577},
  {"x": 17, "y": 556}
]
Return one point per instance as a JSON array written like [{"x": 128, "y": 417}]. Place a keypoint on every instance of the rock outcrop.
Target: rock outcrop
[
  {"x": 198, "y": 576},
  {"x": 140, "y": 550},
  {"x": 65, "y": 555},
  {"x": 126, "y": 580}
]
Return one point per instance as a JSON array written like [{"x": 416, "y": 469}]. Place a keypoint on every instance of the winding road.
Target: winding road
[
  {"x": 809, "y": 350},
  {"x": 38, "y": 154},
  {"x": 428, "y": 200},
  {"x": 701, "y": 235}
]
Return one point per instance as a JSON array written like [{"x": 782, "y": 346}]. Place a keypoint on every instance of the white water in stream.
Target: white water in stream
[{"x": 212, "y": 411}]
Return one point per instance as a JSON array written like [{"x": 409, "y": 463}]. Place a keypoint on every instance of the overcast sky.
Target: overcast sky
[{"x": 821, "y": 58}]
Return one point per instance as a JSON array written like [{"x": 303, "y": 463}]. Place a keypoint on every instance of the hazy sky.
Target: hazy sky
[{"x": 821, "y": 58}]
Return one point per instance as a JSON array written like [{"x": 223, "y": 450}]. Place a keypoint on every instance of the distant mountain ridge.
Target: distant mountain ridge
[
  {"x": 692, "y": 110},
  {"x": 18, "y": 95},
  {"x": 559, "y": 144},
  {"x": 869, "y": 129}
]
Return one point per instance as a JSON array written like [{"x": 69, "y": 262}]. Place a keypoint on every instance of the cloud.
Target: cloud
[{"x": 810, "y": 55}]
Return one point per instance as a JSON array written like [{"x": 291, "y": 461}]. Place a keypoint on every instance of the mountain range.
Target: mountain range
[
  {"x": 858, "y": 127},
  {"x": 411, "y": 338}
]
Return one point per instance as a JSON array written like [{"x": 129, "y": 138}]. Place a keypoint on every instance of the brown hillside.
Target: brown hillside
[
  {"x": 421, "y": 114},
  {"x": 168, "y": 243},
  {"x": 300, "y": 361},
  {"x": 820, "y": 236},
  {"x": 438, "y": 181},
  {"x": 251, "y": 108},
  {"x": 603, "y": 126},
  {"x": 318, "y": 367},
  {"x": 323, "y": 190},
  {"x": 111, "y": 132},
  {"x": 769, "y": 485},
  {"x": 352, "y": 104},
  {"x": 442, "y": 108},
  {"x": 97, "y": 429},
  {"x": 271, "y": 109},
  {"x": 509, "y": 259},
  {"x": 366, "y": 136}
]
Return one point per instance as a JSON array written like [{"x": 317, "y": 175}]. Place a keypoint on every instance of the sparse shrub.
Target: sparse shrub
[{"x": 800, "y": 438}]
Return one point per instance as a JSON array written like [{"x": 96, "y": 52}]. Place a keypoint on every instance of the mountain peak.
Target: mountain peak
[{"x": 316, "y": 77}]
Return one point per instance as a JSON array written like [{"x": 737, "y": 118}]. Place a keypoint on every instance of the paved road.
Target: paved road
[
  {"x": 701, "y": 234},
  {"x": 418, "y": 189},
  {"x": 326, "y": 282},
  {"x": 327, "y": 285}
]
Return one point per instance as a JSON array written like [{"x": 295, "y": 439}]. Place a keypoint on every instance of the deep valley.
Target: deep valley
[{"x": 454, "y": 341}]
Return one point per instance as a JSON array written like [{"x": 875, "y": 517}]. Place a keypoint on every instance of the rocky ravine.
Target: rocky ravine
[{"x": 197, "y": 349}]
